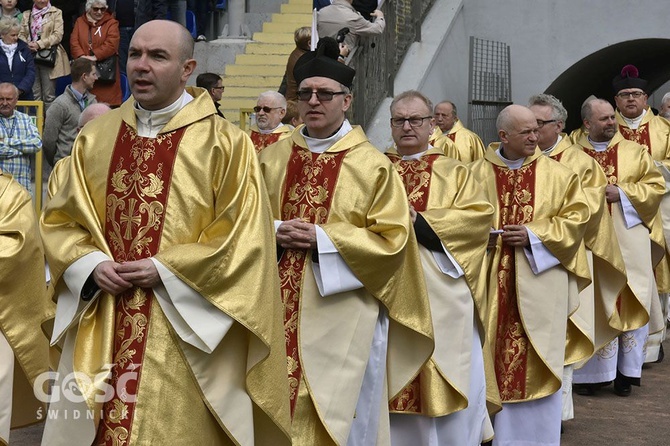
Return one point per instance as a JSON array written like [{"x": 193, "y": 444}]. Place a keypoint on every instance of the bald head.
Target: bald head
[
  {"x": 518, "y": 131},
  {"x": 91, "y": 112},
  {"x": 511, "y": 115},
  {"x": 175, "y": 35}
]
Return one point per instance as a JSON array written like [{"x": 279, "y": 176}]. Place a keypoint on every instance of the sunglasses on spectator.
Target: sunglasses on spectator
[
  {"x": 265, "y": 109},
  {"x": 99, "y": 9},
  {"x": 321, "y": 95}
]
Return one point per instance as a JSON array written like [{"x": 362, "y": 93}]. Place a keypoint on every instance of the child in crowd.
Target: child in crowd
[{"x": 9, "y": 9}]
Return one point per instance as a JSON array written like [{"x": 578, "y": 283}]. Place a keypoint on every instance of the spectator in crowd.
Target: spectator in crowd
[
  {"x": 341, "y": 14},
  {"x": 365, "y": 7},
  {"x": 159, "y": 9},
  {"x": 292, "y": 116},
  {"x": 124, "y": 12},
  {"x": 91, "y": 112},
  {"x": 9, "y": 9},
  {"x": 96, "y": 37},
  {"x": 302, "y": 37},
  {"x": 214, "y": 85},
  {"x": 17, "y": 67},
  {"x": 71, "y": 10},
  {"x": 664, "y": 111},
  {"x": 318, "y": 4},
  {"x": 62, "y": 119},
  {"x": 24, "y": 350},
  {"x": 270, "y": 109},
  {"x": 19, "y": 137},
  {"x": 42, "y": 28},
  {"x": 199, "y": 8}
]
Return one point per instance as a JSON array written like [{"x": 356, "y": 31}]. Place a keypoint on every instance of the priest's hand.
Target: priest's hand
[
  {"x": 141, "y": 273},
  {"x": 412, "y": 214},
  {"x": 612, "y": 193},
  {"x": 108, "y": 279},
  {"x": 515, "y": 235},
  {"x": 296, "y": 234}
]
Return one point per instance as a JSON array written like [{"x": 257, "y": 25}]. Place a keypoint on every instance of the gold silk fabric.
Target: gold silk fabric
[
  {"x": 467, "y": 144},
  {"x": 368, "y": 222},
  {"x": 216, "y": 238},
  {"x": 653, "y": 134},
  {"x": 262, "y": 140},
  {"x": 547, "y": 199},
  {"x": 446, "y": 195},
  {"x": 598, "y": 310},
  {"x": 24, "y": 303}
]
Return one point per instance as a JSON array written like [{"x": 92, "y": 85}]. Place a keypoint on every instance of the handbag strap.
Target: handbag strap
[{"x": 90, "y": 42}]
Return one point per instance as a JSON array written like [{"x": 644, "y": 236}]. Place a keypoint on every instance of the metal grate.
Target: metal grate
[{"x": 490, "y": 87}]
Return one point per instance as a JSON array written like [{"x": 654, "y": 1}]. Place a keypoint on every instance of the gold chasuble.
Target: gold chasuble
[
  {"x": 653, "y": 134},
  {"x": 24, "y": 306},
  {"x": 467, "y": 144},
  {"x": 351, "y": 192},
  {"x": 528, "y": 313},
  {"x": 192, "y": 198},
  {"x": 445, "y": 194},
  {"x": 262, "y": 140},
  {"x": 598, "y": 317},
  {"x": 630, "y": 167}
]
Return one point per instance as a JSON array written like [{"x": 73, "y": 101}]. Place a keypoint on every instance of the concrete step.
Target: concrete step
[
  {"x": 272, "y": 27},
  {"x": 274, "y": 37},
  {"x": 259, "y": 82},
  {"x": 261, "y": 59},
  {"x": 293, "y": 8},
  {"x": 237, "y": 103},
  {"x": 297, "y": 19},
  {"x": 270, "y": 48},
  {"x": 255, "y": 70},
  {"x": 309, "y": 3},
  {"x": 248, "y": 92}
]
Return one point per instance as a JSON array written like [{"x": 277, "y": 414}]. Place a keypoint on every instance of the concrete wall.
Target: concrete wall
[{"x": 547, "y": 38}]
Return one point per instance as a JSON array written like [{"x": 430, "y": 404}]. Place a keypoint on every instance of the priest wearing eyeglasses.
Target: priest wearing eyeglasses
[
  {"x": 268, "y": 129},
  {"x": 357, "y": 318}
]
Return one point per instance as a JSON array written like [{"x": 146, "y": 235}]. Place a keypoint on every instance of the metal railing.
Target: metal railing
[{"x": 378, "y": 58}]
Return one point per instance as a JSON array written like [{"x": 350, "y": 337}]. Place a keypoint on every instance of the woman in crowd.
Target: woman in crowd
[
  {"x": 17, "y": 67},
  {"x": 96, "y": 36},
  {"x": 42, "y": 29}
]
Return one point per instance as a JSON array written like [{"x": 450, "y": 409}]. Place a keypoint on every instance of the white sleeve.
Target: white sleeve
[
  {"x": 630, "y": 215},
  {"x": 332, "y": 274},
  {"x": 447, "y": 264},
  {"x": 539, "y": 257},
  {"x": 70, "y": 305},
  {"x": 195, "y": 319}
]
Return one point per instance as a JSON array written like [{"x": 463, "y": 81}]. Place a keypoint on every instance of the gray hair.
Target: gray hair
[
  {"x": 558, "y": 112},
  {"x": 277, "y": 97},
  {"x": 454, "y": 111},
  {"x": 412, "y": 94},
  {"x": 10, "y": 85},
  {"x": 90, "y": 3},
  {"x": 666, "y": 97},
  {"x": 8, "y": 24}
]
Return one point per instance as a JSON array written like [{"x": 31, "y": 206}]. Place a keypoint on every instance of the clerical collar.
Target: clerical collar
[
  {"x": 599, "y": 146},
  {"x": 267, "y": 132},
  {"x": 511, "y": 164},
  {"x": 415, "y": 156},
  {"x": 548, "y": 150},
  {"x": 316, "y": 145},
  {"x": 635, "y": 122},
  {"x": 150, "y": 122}
]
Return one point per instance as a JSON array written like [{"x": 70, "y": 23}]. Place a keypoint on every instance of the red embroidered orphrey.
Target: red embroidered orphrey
[{"x": 261, "y": 140}]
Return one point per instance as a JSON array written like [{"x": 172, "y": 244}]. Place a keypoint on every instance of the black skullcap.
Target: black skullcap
[
  {"x": 628, "y": 78},
  {"x": 323, "y": 63}
]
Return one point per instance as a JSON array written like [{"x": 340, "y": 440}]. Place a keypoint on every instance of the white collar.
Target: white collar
[
  {"x": 599, "y": 146},
  {"x": 415, "y": 156},
  {"x": 548, "y": 151},
  {"x": 316, "y": 145},
  {"x": 635, "y": 122},
  {"x": 150, "y": 122},
  {"x": 511, "y": 164},
  {"x": 267, "y": 132}
]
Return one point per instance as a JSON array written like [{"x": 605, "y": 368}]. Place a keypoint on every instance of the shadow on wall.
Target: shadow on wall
[{"x": 594, "y": 73}]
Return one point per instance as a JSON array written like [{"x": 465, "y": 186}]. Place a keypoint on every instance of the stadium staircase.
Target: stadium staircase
[{"x": 262, "y": 65}]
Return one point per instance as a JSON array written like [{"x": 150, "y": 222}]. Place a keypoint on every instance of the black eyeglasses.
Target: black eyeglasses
[
  {"x": 265, "y": 109},
  {"x": 321, "y": 95},
  {"x": 99, "y": 9},
  {"x": 627, "y": 94},
  {"x": 541, "y": 123},
  {"x": 413, "y": 122}
]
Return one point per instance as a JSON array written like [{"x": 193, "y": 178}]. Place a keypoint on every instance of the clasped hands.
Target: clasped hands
[
  {"x": 115, "y": 278},
  {"x": 296, "y": 234},
  {"x": 513, "y": 235}
]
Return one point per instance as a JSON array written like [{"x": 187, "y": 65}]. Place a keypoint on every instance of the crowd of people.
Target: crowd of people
[{"x": 297, "y": 285}]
